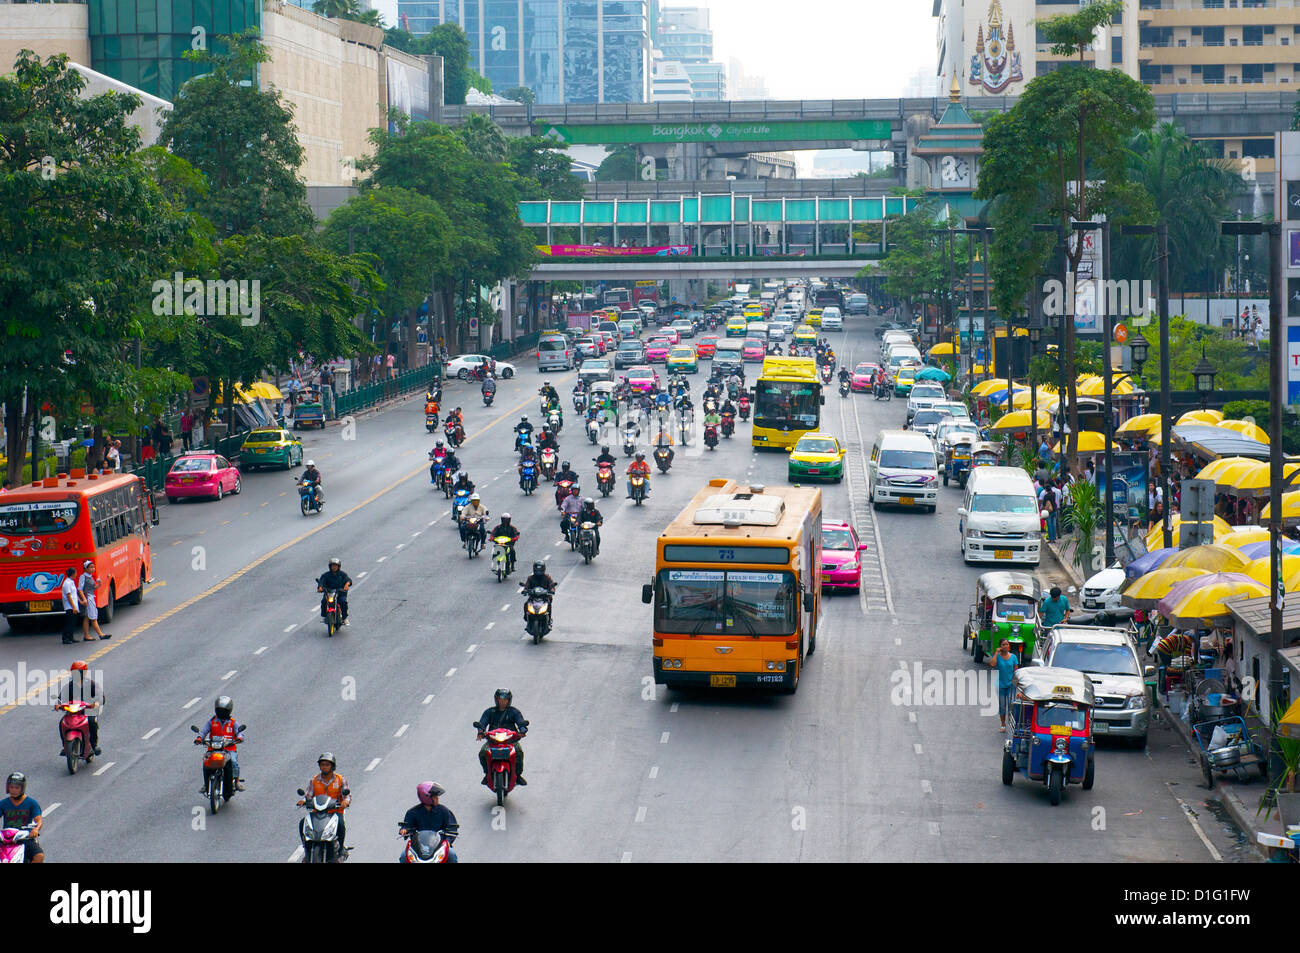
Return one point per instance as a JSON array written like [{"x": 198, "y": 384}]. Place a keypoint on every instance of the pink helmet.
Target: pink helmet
[{"x": 428, "y": 790}]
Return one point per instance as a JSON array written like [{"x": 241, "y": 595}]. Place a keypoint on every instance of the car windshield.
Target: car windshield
[
  {"x": 921, "y": 391},
  {"x": 595, "y": 365},
  {"x": 192, "y": 465},
  {"x": 907, "y": 459},
  {"x": 46, "y": 516},
  {"x": 718, "y": 602},
  {"x": 1003, "y": 503},
  {"x": 1060, "y": 715},
  {"x": 271, "y": 436},
  {"x": 818, "y": 445},
  {"x": 1095, "y": 659},
  {"x": 1014, "y": 607},
  {"x": 837, "y": 539},
  {"x": 926, "y": 417},
  {"x": 683, "y": 353}
]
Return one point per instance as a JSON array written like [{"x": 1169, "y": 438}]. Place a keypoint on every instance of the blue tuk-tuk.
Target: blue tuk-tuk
[
  {"x": 309, "y": 412},
  {"x": 1049, "y": 729},
  {"x": 957, "y": 459}
]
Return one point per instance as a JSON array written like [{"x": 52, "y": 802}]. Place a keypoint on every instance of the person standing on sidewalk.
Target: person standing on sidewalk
[
  {"x": 1006, "y": 664},
  {"x": 187, "y": 429},
  {"x": 71, "y": 605}
]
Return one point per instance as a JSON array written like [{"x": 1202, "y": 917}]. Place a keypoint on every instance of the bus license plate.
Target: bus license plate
[
  {"x": 722, "y": 681},
  {"x": 40, "y": 606},
  {"x": 906, "y": 500},
  {"x": 1002, "y": 554}
]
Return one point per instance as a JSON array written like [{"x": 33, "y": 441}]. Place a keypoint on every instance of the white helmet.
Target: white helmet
[
  {"x": 311, "y": 463},
  {"x": 473, "y": 497}
]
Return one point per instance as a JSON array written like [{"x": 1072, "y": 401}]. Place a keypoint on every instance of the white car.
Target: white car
[
  {"x": 466, "y": 364},
  {"x": 832, "y": 320},
  {"x": 1102, "y": 590}
]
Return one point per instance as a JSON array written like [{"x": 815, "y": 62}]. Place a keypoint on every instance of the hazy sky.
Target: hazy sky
[{"x": 816, "y": 49}]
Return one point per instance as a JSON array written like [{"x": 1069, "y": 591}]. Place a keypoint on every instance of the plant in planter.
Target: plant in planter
[
  {"x": 1281, "y": 790},
  {"x": 1083, "y": 514}
]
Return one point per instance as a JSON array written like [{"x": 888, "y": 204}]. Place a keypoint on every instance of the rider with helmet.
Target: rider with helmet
[
  {"x": 331, "y": 783},
  {"x": 548, "y": 440},
  {"x": 335, "y": 578},
  {"x": 589, "y": 514},
  {"x": 570, "y": 506},
  {"x": 429, "y": 815},
  {"x": 605, "y": 457},
  {"x": 540, "y": 579},
  {"x": 548, "y": 393},
  {"x": 639, "y": 465},
  {"x": 503, "y": 715},
  {"x": 523, "y": 431},
  {"x": 474, "y": 509},
  {"x": 311, "y": 475},
  {"x": 222, "y": 725},
  {"x": 489, "y": 385},
  {"x": 93, "y": 708},
  {"x": 566, "y": 473},
  {"x": 19, "y": 810},
  {"x": 506, "y": 528}
]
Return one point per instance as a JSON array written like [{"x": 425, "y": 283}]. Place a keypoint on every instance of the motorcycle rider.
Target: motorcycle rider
[
  {"x": 712, "y": 418},
  {"x": 640, "y": 466},
  {"x": 506, "y": 528},
  {"x": 221, "y": 725},
  {"x": 93, "y": 708},
  {"x": 311, "y": 474},
  {"x": 540, "y": 579},
  {"x": 330, "y": 782},
  {"x": 19, "y": 810},
  {"x": 605, "y": 457},
  {"x": 528, "y": 456},
  {"x": 436, "y": 456},
  {"x": 566, "y": 473},
  {"x": 457, "y": 422},
  {"x": 429, "y": 815},
  {"x": 474, "y": 509},
  {"x": 503, "y": 715},
  {"x": 570, "y": 507},
  {"x": 844, "y": 374},
  {"x": 664, "y": 441},
  {"x": 489, "y": 385},
  {"x": 335, "y": 578},
  {"x": 589, "y": 514},
  {"x": 549, "y": 393},
  {"x": 463, "y": 482},
  {"x": 523, "y": 431},
  {"x": 548, "y": 440}
]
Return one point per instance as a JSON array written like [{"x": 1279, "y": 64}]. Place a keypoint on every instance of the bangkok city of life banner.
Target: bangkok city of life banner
[{"x": 604, "y": 251}]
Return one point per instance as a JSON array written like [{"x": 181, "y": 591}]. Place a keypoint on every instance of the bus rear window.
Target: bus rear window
[{"x": 53, "y": 516}]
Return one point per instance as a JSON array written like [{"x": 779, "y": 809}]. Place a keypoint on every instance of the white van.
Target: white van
[
  {"x": 903, "y": 470},
  {"x": 900, "y": 353},
  {"x": 832, "y": 320},
  {"x": 998, "y": 520}
]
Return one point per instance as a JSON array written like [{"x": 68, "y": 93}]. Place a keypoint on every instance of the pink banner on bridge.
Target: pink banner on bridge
[{"x": 604, "y": 251}]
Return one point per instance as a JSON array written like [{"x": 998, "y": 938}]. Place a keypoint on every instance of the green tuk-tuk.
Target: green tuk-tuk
[
  {"x": 309, "y": 413},
  {"x": 1006, "y": 607}
]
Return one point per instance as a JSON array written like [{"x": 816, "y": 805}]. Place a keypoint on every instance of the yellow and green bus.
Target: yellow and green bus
[
  {"x": 737, "y": 588},
  {"x": 787, "y": 401}
]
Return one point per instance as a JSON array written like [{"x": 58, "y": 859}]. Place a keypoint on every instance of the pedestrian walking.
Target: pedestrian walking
[
  {"x": 86, "y": 586},
  {"x": 1005, "y": 663},
  {"x": 71, "y": 605},
  {"x": 1055, "y": 608},
  {"x": 165, "y": 440},
  {"x": 391, "y": 361},
  {"x": 187, "y": 430}
]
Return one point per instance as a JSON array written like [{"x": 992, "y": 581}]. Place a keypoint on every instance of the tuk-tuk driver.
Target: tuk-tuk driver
[
  {"x": 1055, "y": 608},
  {"x": 1005, "y": 661}
]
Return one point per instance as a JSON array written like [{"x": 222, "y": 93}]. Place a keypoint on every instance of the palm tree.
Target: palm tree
[{"x": 334, "y": 9}]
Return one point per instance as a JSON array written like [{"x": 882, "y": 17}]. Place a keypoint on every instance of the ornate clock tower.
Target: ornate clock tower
[{"x": 950, "y": 152}]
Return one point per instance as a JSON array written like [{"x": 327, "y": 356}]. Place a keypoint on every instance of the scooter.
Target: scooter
[
  {"x": 319, "y": 830},
  {"x": 580, "y": 402},
  {"x": 883, "y": 391},
  {"x": 638, "y": 488},
  {"x": 488, "y": 397},
  {"x": 743, "y": 406},
  {"x": 728, "y": 425},
  {"x": 826, "y": 372},
  {"x": 218, "y": 771},
  {"x": 662, "y": 460},
  {"x": 502, "y": 564},
  {"x": 555, "y": 420},
  {"x": 74, "y": 729},
  {"x": 587, "y": 541},
  {"x": 548, "y": 464},
  {"x": 331, "y": 611},
  {"x": 561, "y": 491},
  {"x": 711, "y": 436},
  {"x": 593, "y": 430},
  {"x": 427, "y": 847},
  {"x": 501, "y": 775},
  {"x": 437, "y": 470},
  {"x": 523, "y": 440},
  {"x": 310, "y": 498},
  {"x": 528, "y": 477},
  {"x": 452, "y": 433},
  {"x": 537, "y": 612},
  {"x": 458, "y": 503},
  {"x": 431, "y": 422},
  {"x": 469, "y": 533},
  {"x": 605, "y": 478},
  {"x": 629, "y": 440},
  {"x": 13, "y": 843},
  {"x": 844, "y": 388}
]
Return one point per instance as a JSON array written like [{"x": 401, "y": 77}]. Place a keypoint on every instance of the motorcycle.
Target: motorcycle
[
  {"x": 537, "y": 612},
  {"x": 593, "y": 430},
  {"x": 523, "y": 440},
  {"x": 431, "y": 423},
  {"x": 501, "y": 774},
  {"x": 710, "y": 436},
  {"x": 502, "y": 564},
  {"x": 427, "y": 847},
  {"x": 218, "y": 774},
  {"x": 710, "y": 405},
  {"x": 13, "y": 843},
  {"x": 453, "y": 434},
  {"x": 469, "y": 532},
  {"x": 561, "y": 491},
  {"x": 331, "y": 611},
  {"x": 437, "y": 470},
  {"x": 74, "y": 729},
  {"x": 728, "y": 425},
  {"x": 458, "y": 503},
  {"x": 662, "y": 460},
  {"x": 883, "y": 391},
  {"x": 826, "y": 372},
  {"x": 310, "y": 498},
  {"x": 579, "y": 402},
  {"x": 638, "y": 488},
  {"x": 844, "y": 388},
  {"x": 743, "y": 407},
  {"x": 319, "y": 830},
  {"x": 629, "y": 441},
  {"x": 555, "y": 420},
  {"x": 587, "y": 541},
  {"x": 488, "y": 397},
  {"x": 733, "y": 390},
  {"x": 548, "y": 464},
  {"x": 605, "y": 478},
  {"x": 528, "y": 477}
]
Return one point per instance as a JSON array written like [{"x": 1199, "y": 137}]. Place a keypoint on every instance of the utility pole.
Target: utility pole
[
  {"x": 1108, "y": 331},
  {"x": 1277, "y": 385},
  {"x": 988, "y": 334},
  {"x": 1166, "y": 397}
]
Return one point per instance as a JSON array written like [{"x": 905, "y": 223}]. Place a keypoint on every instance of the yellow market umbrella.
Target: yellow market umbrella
[
  {"x": 1213, "y": 557},
  {"x": 1211, "y": 417},
  {"x": 1245, "y": 428},
  {"x": 1244, "y": 537},
  {"x": 1090, "y": 441},
  {"x": 242, "y": 395},
  {"x": 1290, "y": 506},
  {"x": 1207, "y": 603},
  {"x": 1021, "y": 420},
  {"x": 1288, "y": 726},
  {"x": 265, "y": 390},
  {"x": 981, "y": 369},
  {"x": 1142, "y": 423},
  {"x": 1145, "y": 591},
  {"x": 946, "y": 347},
  {"x": 1259, "y": 570},
  {"x": 991, "y": 386},
  {"x": 1022, "y": 399},
  {"x": 1252, "y": 479},
  {"x": 1155, "y": 538},
  {"x": 1096, "y": 387},
  {"x": 1216, "y": 468}
]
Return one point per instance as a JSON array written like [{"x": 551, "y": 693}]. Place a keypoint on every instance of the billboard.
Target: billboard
[
  {"x": 786, "y": 130},
  {"x": 408, "y": 89}
]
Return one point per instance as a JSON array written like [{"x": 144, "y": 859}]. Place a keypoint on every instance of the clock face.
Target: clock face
[{"x": 955, "y": 170}]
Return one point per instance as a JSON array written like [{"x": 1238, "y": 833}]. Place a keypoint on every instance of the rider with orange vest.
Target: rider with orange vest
[
  {"x": 332, "y": 783},
  {"x": 221, "y": 725},
  {"x": 638, "y": 466}
]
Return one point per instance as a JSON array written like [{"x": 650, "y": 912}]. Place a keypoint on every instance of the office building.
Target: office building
[
  {"x": 682, "y": 35},
  {"x": 669, "y": 81}
]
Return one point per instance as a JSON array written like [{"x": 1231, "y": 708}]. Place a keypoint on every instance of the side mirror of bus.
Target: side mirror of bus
[{"x": 647, "y": 593}]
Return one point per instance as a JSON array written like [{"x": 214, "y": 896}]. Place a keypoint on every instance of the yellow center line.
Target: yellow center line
[
  {"x": 239, "y": 573},
  {"x": 149, "y": 589}
]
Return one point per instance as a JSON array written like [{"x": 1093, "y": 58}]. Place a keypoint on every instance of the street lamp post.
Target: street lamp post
[
  {"x": 1203, "y": 375},
  {"x": 1059, "y": 258},
  {"x": 1109, "y": 421},
  {"x": 1137, "y": 347}
]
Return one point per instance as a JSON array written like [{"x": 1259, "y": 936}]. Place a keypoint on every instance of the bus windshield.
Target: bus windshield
[
  {"x": 780, "y": 403},
  {"x": 52, "y": 516},
  {"x": 724, "y": 602}
]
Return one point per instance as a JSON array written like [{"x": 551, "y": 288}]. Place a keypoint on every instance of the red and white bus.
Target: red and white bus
[{"x": 56, "y": 523}]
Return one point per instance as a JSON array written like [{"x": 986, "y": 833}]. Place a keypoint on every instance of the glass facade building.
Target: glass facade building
[
  {"x": 142, "y": 42},
  {"x": 565, "y": 51}
]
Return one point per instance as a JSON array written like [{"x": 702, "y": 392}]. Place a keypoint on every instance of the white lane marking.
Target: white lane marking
[
  {"x": 916, "y": 749},
  {"x": 911, "y": 716},
  {"x": 105, "y": 768},
  {"x": 898, "y": 641},
  {"x": 559, "y": 542},
  {"x": 373, "y": 764},
  {"x": 150, "y": 733},
  {"x": 431, "y": 522},
  {"x": 415, "y": 534},
  {"x": 926, "y": 787},
  {"x": 1191, "y": 819},
  {"x": 663, "y": 739},
  {"x": 505, "y": 607},
  {"x": 489, "y": 625},
  {"x": 229, "y": 675},
  {"x": 450, "y": 672},
  {"x": 673, "y": 707},
  {"x": 400, "y": 731},
  {"x": 190, "y": 704},
  {"x": 427, "y": 700},
  {"x": 363, "y": 574},
  {"x": 934, "y": 828},
  {"x": 51, "y": 808},
  {"x": 261, "y": 650},
  {"x": 400, "y": 546},
  {"x": 640, "y": 815},
  {"x": 296, "y": 856},
  {"x": 654, "y": 772},
  {"x": 381, "y": 559},
  {"x": 627, "y": 857},
  {"x": 471, "y": 648}
]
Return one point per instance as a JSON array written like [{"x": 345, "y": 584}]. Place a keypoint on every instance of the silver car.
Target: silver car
[{"x": 1109, "y": 660}]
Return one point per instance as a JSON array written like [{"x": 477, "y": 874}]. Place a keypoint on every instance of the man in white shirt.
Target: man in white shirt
[
  {"x": 113, "y": 457},
  {"x": 71, "y": 605}
]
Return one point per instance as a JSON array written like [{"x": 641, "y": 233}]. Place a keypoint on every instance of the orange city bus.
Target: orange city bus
[
  {"x": 55, "y": 523},
  {"x": 737, "y": 588}
]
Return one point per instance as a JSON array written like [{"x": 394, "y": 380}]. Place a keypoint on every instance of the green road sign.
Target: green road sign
[{"x": 798, "y": 130}]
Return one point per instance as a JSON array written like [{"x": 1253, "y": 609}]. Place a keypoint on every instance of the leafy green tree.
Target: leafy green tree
[
  {"x": 242, "y": 139},
  {"x": 521, "y": 94},
  {"x": 476, "y": 80},
  {"x": 915, "y": 264},
  {"x": 449, "y": 41},
  {"x": 84, "y": 227},
  {"x": 544, "y": 169},
  {"x": 619, "y": 166},
  {"x": 1062, "y": 153},
  {"x": 484, "y": 138},
  {"x": 1239, "y": 367}
]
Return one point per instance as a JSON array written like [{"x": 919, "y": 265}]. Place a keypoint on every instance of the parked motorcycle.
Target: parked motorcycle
[
  {"x": 537, "y": 612},
  {"x": 218, "y": 768},
  {"x": 501, "y": 774},
  {"x": 502, "y": 565},
  {"x": 528, "y": 477},
  {"x": 319, "y": 830},
  {"x": 331, "y": 611},
  {"x": 311, "y": 499},
  {"x": 638, "y": 488},
  {"x": 605, "y": 478},
  {"x": 74, "y": 729}
]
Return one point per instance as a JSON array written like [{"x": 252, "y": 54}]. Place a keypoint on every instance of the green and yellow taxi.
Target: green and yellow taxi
[
  {"x": 805, "y": 336},
  {"x": 737, "y": 327},
  {"x": 904, "y": 379},
  {"x": 817, "y": 456},
  {"x": 683, "y": 360},
  {"x": 753, "y": 312},
  {"x": 270, "y": 447}
]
